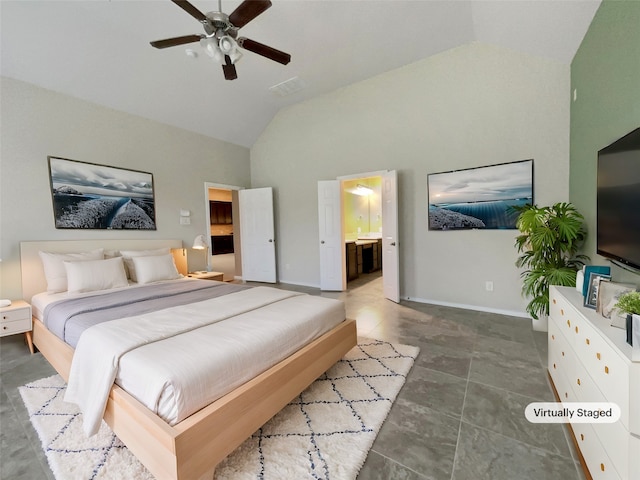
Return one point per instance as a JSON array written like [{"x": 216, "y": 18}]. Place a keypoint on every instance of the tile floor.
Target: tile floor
[{"x": 459, "y": 415}]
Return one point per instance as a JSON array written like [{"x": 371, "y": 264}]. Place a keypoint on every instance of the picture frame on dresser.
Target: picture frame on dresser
[
  {"x": 608, "y": 295},
  {"x": 591, "y": 299}
]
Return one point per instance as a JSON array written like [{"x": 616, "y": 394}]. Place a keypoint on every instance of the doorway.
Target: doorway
[
  {"x": 362, "y": 220},
  {"x": 223, "y": 230},
  {"x": 373, "y": 221}
]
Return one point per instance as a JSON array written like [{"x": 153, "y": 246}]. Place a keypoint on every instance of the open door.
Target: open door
[
  {"x": 390, "y": 256},
  {"x": 257, "y": 235},
  {"x": 332, "y": 254}
]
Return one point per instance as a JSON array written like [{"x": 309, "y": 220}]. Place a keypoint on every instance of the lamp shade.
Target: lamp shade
[{"x": 200, "y": 242}]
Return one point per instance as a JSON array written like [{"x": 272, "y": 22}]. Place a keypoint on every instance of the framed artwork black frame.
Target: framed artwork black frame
[{"x": 101, "y": 197}]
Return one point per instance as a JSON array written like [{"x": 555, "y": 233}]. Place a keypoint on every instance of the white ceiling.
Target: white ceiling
[{"x": 99, "y": 50}]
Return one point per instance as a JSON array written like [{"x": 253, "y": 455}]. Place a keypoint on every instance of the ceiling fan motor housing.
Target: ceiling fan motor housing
[{"x": 218, "y": 22}]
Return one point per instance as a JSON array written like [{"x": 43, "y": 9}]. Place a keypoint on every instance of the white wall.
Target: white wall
[
  {"x": 471, "y": 106},
  {"x": 38, "y": 122}
]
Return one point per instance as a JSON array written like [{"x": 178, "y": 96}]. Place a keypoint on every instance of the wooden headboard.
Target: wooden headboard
[{"x": 33, "y": 280}]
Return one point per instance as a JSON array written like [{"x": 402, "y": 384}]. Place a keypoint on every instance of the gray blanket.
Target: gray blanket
[{"x": 68, "y": 318}]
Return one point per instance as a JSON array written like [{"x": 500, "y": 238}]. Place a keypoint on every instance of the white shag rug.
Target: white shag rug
[{"x": 324, "y": 433}]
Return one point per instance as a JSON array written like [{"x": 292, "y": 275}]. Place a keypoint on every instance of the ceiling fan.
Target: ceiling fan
[{"x": 221, "y": 40}]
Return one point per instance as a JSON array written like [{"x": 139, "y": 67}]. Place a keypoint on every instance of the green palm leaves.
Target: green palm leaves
[{"x": 549, "y": 240}]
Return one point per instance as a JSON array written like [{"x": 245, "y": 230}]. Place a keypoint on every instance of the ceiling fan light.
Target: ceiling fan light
[
  {"x": 235, "y": 55},
  {"x": 211, "y": 47},
  {"x": 227, "y": 44}
]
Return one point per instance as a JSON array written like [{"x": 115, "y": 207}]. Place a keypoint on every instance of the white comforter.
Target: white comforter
[{"x": 178, "y": 360}]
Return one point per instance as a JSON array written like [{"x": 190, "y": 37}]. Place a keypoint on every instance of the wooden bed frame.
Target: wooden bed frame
[{"x": 191, "y": 449}]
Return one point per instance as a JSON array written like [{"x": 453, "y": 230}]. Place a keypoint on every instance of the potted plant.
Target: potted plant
[
  {"x": 629, "y": 303},
  {"x": 548, "y": 244}
]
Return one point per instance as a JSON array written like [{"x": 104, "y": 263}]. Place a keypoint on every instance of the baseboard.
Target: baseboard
[
  {"x": 299, "y": 284},
  {"x": 512, "y": 313}
]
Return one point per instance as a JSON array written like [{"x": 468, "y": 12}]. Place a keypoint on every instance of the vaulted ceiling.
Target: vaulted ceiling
[{"x": 99, "y": 50}]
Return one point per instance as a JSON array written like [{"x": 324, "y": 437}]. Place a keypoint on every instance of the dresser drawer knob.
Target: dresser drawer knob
[
  {"x": 4, "y": 327},
  {"x": 554, "y": 366},
  {"x": 554, "y": 301},
  {"x": 563, "y": 354},
  {"x": 562, "y": 311},
  {"x": 569, "y": 323},
  {"x": 602, "y": 467},
  {"x": 606, "y": 369},
  {"x": 576, "y": 329},
  {"x": 598, "y": 355},
  {"x": 578, "y": 381},
  {"x": 582, "y": 437},
  {"x": 553, "y": 337},
  {"x": 588, "y": 341},
  {"x": 566, "y": 395}
]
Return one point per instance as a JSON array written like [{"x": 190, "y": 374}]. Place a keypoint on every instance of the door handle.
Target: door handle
[
  {"x": 393, "y": 244},
  {"x": 322, "y": 241},
  {"x": 270, "y": 240}
]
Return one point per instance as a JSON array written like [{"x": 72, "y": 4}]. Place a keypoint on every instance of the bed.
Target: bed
[{"x": 192, "y": 447}]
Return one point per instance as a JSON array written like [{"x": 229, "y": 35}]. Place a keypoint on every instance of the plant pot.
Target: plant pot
[{"x": 541, "y": 324}]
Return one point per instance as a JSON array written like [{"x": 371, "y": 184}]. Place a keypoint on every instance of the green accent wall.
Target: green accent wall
[{"x": 605, "y": 76}]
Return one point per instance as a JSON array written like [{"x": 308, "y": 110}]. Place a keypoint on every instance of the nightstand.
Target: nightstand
[
  {"x": 207, "y": 276},
  {"x": 16, "y": 318}
]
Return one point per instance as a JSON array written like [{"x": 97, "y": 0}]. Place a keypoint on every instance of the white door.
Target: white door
[
  {"x": 332, "y": 255},
  {"x": 390, "y": 257},
  {"x": 257, "y": 241}
]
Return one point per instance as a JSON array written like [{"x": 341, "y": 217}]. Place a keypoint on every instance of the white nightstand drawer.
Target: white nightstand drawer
[
  {"x": 16, "y": 314},
  {"x": 17, "y": 326}
]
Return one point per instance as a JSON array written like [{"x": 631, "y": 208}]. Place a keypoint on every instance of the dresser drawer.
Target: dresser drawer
[
  {"x": 598, "y": 462},
  {"x": 609, "y": 371},
  {"x": 565, "y": 315},
  {"x": 616, "y": 441},
  {"x": 17, "y": 326},
  {"x": 561, "y": 361},
  {"x": 16, "y": 314}
]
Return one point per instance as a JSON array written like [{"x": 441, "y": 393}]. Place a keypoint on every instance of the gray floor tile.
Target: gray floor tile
[
  {"x": 439, "y": 391},
  {"x": 378, "y": 467},
  {"x": 452, "y": 360},
  {"x": 502, "y": 412},
  {"x": 482, "y": 454},
  {"x": 419, "y": 438}
]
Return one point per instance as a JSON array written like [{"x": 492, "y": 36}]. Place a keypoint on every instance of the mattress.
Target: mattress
[{"x": 184, "y": 357}]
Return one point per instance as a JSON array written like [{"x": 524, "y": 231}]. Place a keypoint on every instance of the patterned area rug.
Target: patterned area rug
[{"x": 325, "y": 433}]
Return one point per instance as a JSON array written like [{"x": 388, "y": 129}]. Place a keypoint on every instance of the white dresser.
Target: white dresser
[{"x": 589, "y": 361}]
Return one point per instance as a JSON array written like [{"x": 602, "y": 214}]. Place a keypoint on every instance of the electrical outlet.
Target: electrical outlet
[{"x": 488, "y": 285}]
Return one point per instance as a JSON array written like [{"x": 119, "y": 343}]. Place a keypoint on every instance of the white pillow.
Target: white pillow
[
  {"x": 154, "y": 268},
  {"x": 54, "y": 270},
  {"x": 128, "y": 259},
  {"x": 95, "y": 275}
]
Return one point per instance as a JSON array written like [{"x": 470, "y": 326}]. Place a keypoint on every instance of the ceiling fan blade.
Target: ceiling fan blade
[
  {"x": 229, "y": 69},
  {"x": 191, "y": 10},
  {"x": 264, "y": 50},
  {"x": 247, "y": 11},
  {"x": 172, "y": 42}
]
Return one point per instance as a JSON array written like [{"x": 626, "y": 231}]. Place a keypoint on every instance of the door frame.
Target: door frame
[
  {"x": 207, "y": 218},
  {"x": 355, "y": 176}
]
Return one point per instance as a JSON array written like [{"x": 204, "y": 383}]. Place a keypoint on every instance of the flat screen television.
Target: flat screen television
[
  {"x": 479, "y": 197},
  {"x": 618, "y": 223}
]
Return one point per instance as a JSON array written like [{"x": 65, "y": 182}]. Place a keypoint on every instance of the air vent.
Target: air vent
[{"x": 288, "y": 87}]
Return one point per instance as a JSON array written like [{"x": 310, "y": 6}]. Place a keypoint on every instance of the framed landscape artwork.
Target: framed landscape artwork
[
  {"x": 479, "y": 198},
  {"x": 90, "y": 196}
]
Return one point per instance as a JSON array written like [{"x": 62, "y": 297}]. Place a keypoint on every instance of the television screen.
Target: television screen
[
  {"x": 479, "y": 197},
  {"x": 618, "y": 209}
]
